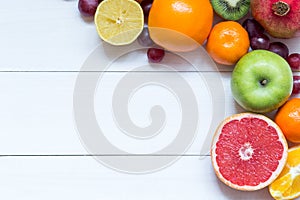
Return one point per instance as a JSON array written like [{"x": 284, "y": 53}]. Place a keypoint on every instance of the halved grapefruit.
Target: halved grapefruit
[{"x": 248, "y": 151}]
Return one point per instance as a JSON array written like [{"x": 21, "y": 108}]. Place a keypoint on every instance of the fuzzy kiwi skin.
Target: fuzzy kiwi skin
[{"x": 228, "y": 12}]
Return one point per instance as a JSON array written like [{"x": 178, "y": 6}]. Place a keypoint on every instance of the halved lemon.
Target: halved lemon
[
  {"x": 287, "y": 185},
  {"x": 119, "y": 22}
]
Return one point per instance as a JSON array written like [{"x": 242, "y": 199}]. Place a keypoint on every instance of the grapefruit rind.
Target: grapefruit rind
[{"x": 274, "y": 175}]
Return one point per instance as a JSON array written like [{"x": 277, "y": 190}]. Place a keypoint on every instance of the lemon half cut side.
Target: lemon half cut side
[{"x": 119, "y": 22}]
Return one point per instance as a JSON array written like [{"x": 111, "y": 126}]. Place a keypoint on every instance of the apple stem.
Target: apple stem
[
  {"x": 263, "y": 82},
  {"x": 280, "y": 8}
]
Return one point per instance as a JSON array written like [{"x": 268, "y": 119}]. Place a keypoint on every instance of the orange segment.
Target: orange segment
[
  {"x": 287, "y": 185},
  {"x": 282, "y": 185}
]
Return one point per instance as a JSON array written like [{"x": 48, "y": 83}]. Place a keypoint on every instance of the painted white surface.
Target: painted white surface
[
  {"x": 83, "y": 178},
  {"x": 43, "y": 45},
  {"x": 37, "y": 113}
]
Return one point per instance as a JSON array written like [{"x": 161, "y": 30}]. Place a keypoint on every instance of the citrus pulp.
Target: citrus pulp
[
  {"x": 119, "y": 22},
  {"x": 248, "y": 151},
  {"x": 287, "y": 185}
]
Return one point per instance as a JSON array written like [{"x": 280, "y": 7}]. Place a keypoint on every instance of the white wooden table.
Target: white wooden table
[{"x": 43, "y": 46}]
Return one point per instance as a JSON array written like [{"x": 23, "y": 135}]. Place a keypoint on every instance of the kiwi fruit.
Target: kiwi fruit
[{"x": 231, "y": 9}]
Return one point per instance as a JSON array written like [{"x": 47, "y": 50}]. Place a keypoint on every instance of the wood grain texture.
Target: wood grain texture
[
  {"x": 37, "y": 111},
  {"x": 84, "y": 178}
]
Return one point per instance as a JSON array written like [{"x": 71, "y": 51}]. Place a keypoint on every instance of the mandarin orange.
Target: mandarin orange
[
  {"x": 227, "y": 42},
  {"x": 288, "y": 119},
  {"x": 180, "y": 25}
]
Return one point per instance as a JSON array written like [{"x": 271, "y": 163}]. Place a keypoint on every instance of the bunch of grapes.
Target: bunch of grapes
[{"x": 259, "y": 40}]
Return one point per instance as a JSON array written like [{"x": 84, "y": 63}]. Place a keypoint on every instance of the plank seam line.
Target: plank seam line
[
  {"x": 102, "y": 155},
  {"x": 118, "y": 71}
]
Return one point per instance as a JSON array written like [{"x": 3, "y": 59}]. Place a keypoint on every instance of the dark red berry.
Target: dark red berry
[
  {"x": 146, "y": 6},
  {"x": 260, "y": 42},
  {"x": 294, "y": 61},
  {"x": 155, "y": 55},
  {"x": 279, "y": 48},
  {"x": 253, "y": 28},
  {"x": 296, "y": 85},
  {"x": 87, "y": 8}
]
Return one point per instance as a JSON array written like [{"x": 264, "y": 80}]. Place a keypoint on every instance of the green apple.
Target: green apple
[{"x": 261, "y": 81}]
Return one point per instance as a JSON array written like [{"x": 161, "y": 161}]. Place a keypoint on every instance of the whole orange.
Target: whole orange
[
  {"x": 180, "y": 25},
  {"x": 288, "y": 119},
  {"x": 227, "y": 42}
]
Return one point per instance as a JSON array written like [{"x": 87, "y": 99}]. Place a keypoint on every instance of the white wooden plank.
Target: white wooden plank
[
  {"x": 44, "y": 35},
  {"x": 50, "y": 35},
  {"x": 37, "y": 111},
  {"x": 84, "y": 178},
  {"x": 37, "y": 115}
]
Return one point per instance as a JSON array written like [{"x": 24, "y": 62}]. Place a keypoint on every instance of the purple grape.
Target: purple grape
[
  {"x": 279, "y": 48},
  {"x": 146, "y": 5},
  {"x": 253, "y": 28},
  {"x": 155, "y": 55},
  {"x": 260, "y": 42},
  {"x": 144, "y": 38},
  {"x": 294, "y": 61},
  {"x": 296, "y": 85},
  {"x": 87, "y": 8}
]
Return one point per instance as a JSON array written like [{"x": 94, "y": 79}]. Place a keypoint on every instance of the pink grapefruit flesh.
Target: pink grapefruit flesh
[{"x": 248, "y": 151}]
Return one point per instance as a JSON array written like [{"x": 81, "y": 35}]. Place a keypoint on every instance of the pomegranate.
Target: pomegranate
[{"x": 280, "y": 18}]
